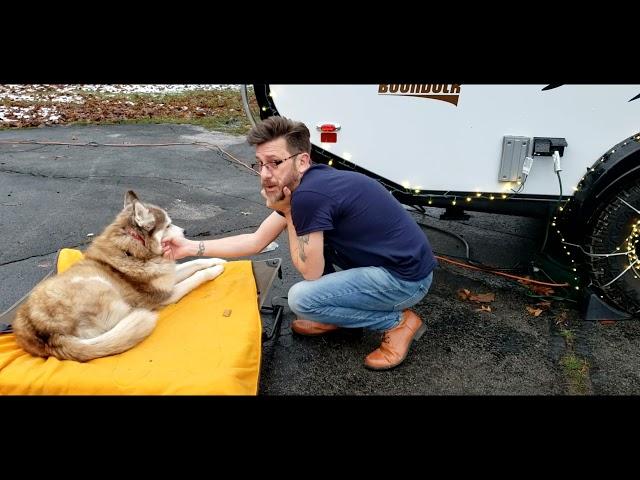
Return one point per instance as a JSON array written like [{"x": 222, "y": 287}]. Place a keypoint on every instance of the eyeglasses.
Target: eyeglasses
[{"x": 271, "y": 165}]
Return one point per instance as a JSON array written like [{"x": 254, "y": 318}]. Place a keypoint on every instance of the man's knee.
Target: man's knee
[{"x": 300, "y": 298}]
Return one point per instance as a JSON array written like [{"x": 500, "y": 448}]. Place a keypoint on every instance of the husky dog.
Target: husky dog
[{"x": 103, "y": 304}]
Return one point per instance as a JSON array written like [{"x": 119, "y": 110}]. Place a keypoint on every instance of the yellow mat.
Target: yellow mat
[{"x": 194, "y": 350}]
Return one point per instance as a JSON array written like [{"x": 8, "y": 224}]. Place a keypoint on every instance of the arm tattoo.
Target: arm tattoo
[
  {"x": 304, "y": 239},
  {"x": 200, "y": 249}
]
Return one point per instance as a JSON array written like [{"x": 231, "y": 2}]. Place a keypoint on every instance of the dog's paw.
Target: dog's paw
[
  {"x": 203, "y": 263},
  {"x": 212, "y": 272},
  {"x": 211, "y": 262}
]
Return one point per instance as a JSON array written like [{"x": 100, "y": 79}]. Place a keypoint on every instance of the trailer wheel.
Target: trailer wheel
[{"x": 616, "y": 229}]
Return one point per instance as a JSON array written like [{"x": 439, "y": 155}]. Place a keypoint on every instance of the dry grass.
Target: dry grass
[{"x": 219, "y": 110}]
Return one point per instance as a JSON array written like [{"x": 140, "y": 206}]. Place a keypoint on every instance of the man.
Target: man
[{"x": 334, "y": 219}]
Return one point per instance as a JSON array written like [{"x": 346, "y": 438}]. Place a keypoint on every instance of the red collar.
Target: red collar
[{"x": 136, "y": 235}]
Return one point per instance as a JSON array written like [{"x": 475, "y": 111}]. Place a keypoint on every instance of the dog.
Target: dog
[{"x": 104, "y": 304}]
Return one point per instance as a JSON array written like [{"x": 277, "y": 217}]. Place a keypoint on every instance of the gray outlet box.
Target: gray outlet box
[{"x": 514, "y": 151}]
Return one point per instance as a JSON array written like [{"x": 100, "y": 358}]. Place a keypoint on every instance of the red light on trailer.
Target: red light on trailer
[
  {"x": 328, "y": 137},
  {"x": 328, "y": 132}
]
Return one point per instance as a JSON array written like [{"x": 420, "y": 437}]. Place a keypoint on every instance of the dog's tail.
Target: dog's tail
[{"x": 127, "y": 333}]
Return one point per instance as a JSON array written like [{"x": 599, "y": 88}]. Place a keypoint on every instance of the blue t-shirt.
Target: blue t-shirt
[{"x": 362, "y": 221}]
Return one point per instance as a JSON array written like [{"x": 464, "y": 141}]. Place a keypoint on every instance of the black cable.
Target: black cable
[
  {"x": 466, "y": 244},
  {"x": 467, "y": 257},
  {"x": 551, "y": 297},
  {"x": 551, "y": 212},
  {"x": 560, "y": 182}
]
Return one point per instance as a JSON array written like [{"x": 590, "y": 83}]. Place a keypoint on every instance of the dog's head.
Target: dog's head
[{"x": 146, "y": 223}]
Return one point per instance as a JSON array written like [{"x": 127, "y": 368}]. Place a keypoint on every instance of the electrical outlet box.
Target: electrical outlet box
[{"x": 514, "y": 151}]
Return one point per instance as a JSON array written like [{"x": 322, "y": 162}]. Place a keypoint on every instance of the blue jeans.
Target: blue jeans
[{"x": 368, "y": 297}]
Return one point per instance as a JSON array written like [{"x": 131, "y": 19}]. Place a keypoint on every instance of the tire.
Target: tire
[{"x": 612, "y": 228}]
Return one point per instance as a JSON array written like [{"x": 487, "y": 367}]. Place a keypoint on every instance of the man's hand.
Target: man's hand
[
  {"x": 178, "y": 247},
  {"x": 283, "y": 205}
]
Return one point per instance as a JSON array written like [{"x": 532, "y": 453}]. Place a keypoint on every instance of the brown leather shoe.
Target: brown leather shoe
[
  {"x": 395, "y": 342},
  {"x": 311, "y": 328}
]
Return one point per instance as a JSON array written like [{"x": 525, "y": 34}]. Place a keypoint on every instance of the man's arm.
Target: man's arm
[
  {"x": 230, "y": 247},
  {"x": 307, "y": 251}
]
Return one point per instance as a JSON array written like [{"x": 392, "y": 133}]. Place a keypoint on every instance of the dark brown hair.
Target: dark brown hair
[{"x": 295, "y": 133}]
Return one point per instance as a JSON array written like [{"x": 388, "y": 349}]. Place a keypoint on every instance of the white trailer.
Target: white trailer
[{"x": 567, "y": 152}]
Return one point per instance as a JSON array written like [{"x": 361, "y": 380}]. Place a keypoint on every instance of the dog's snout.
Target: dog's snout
[{"x": 172, "y": 231}]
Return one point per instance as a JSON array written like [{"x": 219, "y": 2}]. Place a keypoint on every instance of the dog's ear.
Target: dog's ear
[
  {"x": 130, "y": 197},
  {"x": 143, "y": 217}
]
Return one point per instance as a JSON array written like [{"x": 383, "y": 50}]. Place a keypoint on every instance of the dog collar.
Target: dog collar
[{"x": 136, "y": 235}]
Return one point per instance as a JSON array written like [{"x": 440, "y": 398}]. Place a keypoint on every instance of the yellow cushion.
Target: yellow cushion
[{"x": 195, "y": 349}]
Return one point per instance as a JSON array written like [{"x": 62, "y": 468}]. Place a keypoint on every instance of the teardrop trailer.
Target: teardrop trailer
[{"x": 569, "y": 154}]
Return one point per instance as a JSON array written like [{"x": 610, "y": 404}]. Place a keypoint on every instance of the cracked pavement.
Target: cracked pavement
[{"x": 55, "y": 196}]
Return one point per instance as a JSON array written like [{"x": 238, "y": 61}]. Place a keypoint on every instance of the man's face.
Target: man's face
[{"x": 272, "y": 178}]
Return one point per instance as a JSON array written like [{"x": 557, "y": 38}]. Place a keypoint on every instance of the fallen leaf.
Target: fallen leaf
[
  {"x": 483, "y": 297},
  {"x": 484, "y": 308},
  {"x": 538, "y": 289},
  {"x": 561, "y": 317},
  {"x": 541, "y": 290},
  {"x": 463, "y": 294},
  {"x": 544, "y": 305},
  {"x": 534, "y": 311}
]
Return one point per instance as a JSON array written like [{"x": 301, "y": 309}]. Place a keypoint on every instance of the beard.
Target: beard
[{"x": 291, "y": 181}]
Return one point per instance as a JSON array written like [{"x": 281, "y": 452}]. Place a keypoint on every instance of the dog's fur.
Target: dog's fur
[{"x": 103, "y": 304}]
